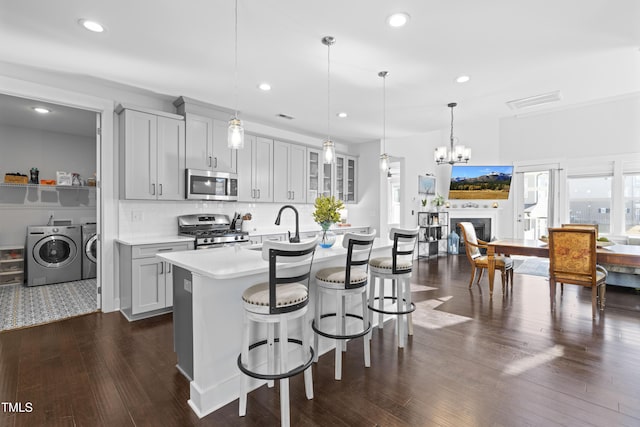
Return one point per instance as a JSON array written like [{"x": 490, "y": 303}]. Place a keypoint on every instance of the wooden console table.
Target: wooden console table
[{"x": 626, "y": 255}]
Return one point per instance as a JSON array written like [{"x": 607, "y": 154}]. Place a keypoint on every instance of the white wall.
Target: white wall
[
  {"x": 606, "y": 128},
  {"x": 23, "y": 149},
  {"x": 417, "y": 152}
]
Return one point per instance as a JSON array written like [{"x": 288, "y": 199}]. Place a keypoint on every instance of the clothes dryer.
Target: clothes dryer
[
  {"x": 53, "y": 254},
  {"x": 89, "y": 250}
]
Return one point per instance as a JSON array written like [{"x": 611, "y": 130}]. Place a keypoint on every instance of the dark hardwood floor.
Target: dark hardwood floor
[{"x": 471, "y": 362}]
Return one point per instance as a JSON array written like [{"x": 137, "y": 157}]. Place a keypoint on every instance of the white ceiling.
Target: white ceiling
[{"x": 587, "y": 49}]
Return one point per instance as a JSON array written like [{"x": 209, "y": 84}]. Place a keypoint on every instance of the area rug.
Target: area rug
[
  {"x": 22, "y": 306},
  {"x": 534, "y": 267}
]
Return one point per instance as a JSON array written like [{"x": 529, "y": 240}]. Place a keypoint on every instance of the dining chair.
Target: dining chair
[
  {"x": 480, "y": 262},
  {"x": 576, "y": 225},
  {"x": 572, "y": 260}
]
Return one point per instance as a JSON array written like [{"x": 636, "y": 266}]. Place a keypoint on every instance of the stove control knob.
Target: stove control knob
[
  {"x": 206, "y": 240},
  {"x": 235, "y": 238}
]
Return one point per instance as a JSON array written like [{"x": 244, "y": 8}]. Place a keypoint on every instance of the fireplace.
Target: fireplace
[{"x": 481, "y": 225}]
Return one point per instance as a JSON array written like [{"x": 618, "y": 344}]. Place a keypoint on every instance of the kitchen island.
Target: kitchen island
[{"x": 208, "y": 310}]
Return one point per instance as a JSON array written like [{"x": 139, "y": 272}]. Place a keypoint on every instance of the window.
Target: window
[
  {"x": 632, "y": 204},
  {"x": 590, "y": 201}
]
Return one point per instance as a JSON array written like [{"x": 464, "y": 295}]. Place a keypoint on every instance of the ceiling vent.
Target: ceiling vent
[
  {"x": 284, "y": 116},
  {"x": 533, "y": 101}
]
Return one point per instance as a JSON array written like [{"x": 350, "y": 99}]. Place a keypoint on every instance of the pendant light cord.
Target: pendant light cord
[
  {"x": 235, "y": 72},
  {"x": 384, "y": 112},
  {"x": 451, "y": 137},
  {"x": 328, "y": 91}
]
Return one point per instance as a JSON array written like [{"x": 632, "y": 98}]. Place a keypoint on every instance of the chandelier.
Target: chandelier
[{"x": 452, "y": 154}]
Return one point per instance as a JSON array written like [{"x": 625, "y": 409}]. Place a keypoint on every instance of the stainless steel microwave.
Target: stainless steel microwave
[{"x": 210, "y": 185}]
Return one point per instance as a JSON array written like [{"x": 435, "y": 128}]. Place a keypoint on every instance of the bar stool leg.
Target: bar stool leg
[
  {"x": 244, "y": 381},
  {"x": 339, "y": 331},
  {"x": 398, "y": 293},
  {"x": 372, "y": 295},
  {"x": 271, "y": 351},
  {"x": 367, "y": 348},
  {"x": 317, "y": 315},
  {"x": 308, "y": 373},
  {"x": 284, "y": 382},
  {"x": 381, "y": 304},
  {"x": 408, "y": 305},
  {"x": 344, "y": 322}
]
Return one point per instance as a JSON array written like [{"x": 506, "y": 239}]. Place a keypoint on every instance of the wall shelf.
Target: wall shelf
[
  {"x": 48, "y": 187},
  {"x": 432, "y": 237}
]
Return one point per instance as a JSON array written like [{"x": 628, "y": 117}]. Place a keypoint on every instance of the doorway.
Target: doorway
[
  {"x": 536, "y": 200},
  {"x": 63, "y": 138}
]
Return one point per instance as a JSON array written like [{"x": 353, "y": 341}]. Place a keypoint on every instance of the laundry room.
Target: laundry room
[{"x": 47, "y": 194}]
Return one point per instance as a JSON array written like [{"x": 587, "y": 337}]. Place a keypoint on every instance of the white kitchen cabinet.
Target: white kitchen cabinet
[
  {"x": 351, "y": 181},
  {"x": 146, "y": 284},
  {"x": 152, "y": 155},
  {"x": 338, "y": 179},
  {"x": 255, "y": 170},
  {"x": 319, "y": 176},
  {"x": 206, "y": 144},
  {"x": 289, "y": 172}
]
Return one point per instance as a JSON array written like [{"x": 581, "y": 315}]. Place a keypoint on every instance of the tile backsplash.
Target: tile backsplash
[{"x": 138, "y": 218}]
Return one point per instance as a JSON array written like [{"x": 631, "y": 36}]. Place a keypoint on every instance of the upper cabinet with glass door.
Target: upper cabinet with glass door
[{"x": 338, "y": 179}]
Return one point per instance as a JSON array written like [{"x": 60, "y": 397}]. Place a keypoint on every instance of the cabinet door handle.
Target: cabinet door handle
[
  {"x": 160, "y": 190},
  {"x": 293, "y": 195},
  {"x": 169, "y": 268},
  {"x": 209, "y": 161},
  {"x": 153, "y": 189},
  {"x": 161, "y": 268},
  {"x": 215, "y": 165},
  {"x": 258, "y": 193},
  {"x": 253, "y": 193}
]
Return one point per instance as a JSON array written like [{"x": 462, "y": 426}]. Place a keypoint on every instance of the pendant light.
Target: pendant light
[
  {"x": 452, "y": 154},
  {"x": 328, "y": 149},
  {"x": 384, "y": 157},
  {"x": 235, "y": 132}
]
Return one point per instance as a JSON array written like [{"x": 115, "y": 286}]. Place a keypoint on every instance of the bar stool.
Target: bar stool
[
  {"x": 397, "y": 267},
  {"x": 344, "y": 282},
  {"x": 284, "y": 297}
]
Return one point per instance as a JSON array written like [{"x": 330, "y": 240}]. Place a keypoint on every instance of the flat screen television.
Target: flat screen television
[
  {"x": 480, "y": 182},
  {"x": 427, "y": 185}
]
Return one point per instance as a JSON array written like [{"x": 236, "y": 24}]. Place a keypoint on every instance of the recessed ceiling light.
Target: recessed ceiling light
[
  {"x": 399, "y": 19},
  {"x": 94, "y": 26},
  {"x": 264, "y": 86},
  {"x": 462, "y": 79},
  {"x": 342, "y": 115},
  {"x": 41, "y": 110}
]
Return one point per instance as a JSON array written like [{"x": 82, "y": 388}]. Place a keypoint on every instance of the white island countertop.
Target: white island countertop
[
  {"x": 153, "y": 240},
  {"x": 237, "y": 261}
]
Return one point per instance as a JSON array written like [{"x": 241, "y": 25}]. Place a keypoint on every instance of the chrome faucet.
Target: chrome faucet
[{"x": 296, "y": 238}]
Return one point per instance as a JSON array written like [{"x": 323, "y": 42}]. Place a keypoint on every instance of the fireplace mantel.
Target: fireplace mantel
[{"x": 462, "y": 213}]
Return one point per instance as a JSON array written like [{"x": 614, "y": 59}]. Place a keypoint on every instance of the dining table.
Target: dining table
[{"x": 624, "y": 255}]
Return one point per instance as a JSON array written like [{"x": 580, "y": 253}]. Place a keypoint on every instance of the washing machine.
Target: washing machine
[
  {"x": 53, "y": 254},
  {"x": 89, "y": 250}
]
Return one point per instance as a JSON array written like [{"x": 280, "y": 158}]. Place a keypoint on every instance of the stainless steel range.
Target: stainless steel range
[{"x": 210, "y": 230}]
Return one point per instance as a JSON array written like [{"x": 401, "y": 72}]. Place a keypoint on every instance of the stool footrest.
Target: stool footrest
[
  {"x": 411, "y": 309},
  {"x": 291, "y": 373},
  {"x": 340, "y": 337}
]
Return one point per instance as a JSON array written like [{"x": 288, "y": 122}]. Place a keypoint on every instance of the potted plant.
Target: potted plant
[
  {"x": 438, "y": 202},
  {"x": 424, "y": 205},
  {"x": 327, "y": 212}
]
